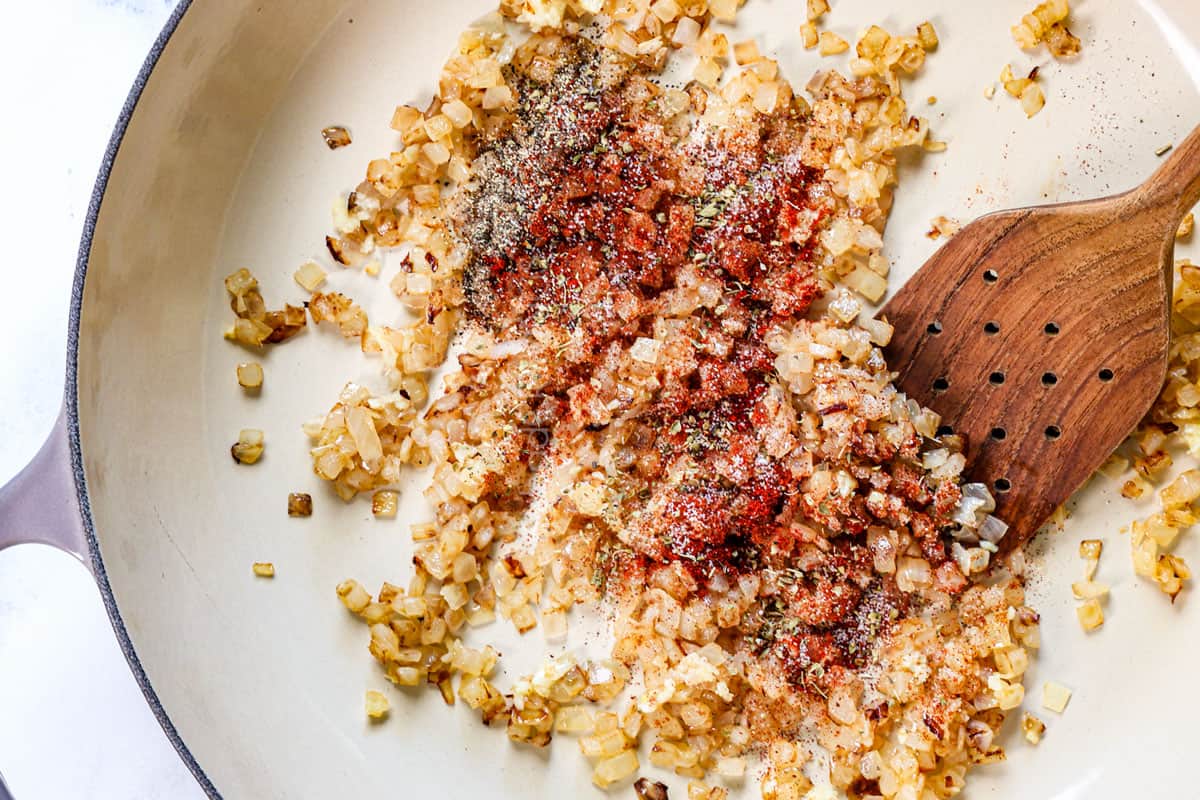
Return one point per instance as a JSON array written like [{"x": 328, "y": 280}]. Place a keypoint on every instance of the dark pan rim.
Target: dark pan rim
[{"x": 72, "y": 398}]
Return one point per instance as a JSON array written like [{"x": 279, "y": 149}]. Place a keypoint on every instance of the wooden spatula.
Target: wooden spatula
[{"x": 1041, "y": 335}]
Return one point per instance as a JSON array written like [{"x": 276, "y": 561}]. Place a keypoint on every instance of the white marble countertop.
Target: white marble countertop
[{"x": 73, "y": 723}]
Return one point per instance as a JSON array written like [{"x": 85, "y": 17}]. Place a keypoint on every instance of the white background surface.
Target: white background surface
[{"x": 73, "y": 723}]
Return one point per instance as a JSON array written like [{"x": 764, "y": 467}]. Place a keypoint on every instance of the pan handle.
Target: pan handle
[{"x": 41, "y": 504}]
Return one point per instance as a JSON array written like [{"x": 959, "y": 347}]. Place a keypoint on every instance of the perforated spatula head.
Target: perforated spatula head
[{"x": 1041, "y": 335}]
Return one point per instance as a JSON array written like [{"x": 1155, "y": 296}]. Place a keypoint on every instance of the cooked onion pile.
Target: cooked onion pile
[
  {"x": 669, "y": 403},
  {"x": 1045, "y": 23},
  {"x": 1173, "y": 421},
  {"x": 254, "y": 325}
]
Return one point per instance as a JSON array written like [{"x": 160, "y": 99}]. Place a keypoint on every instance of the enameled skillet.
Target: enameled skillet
[{"x": 217, "y": 163}]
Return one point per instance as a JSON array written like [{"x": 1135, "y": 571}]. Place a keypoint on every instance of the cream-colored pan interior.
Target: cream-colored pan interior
[{"x": 223, "y": 166}]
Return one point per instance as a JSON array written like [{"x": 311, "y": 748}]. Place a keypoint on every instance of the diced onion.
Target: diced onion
[
  {"x": 616, "y": 768},
  {"x": 250, "y": 375},
  {"x": 993, "y": 529},
  {"x": 377, "y": 704},
  {"x": 248, "y": 449},
  {"x": 1055, "y": 697},
  {"x": 299, "y": 505},
  {"x": 310, "y": 276},
  {"x": 384, "y": 504}
]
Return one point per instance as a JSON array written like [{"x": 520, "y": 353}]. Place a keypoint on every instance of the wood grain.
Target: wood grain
[{"x": 1041, "y": 334}]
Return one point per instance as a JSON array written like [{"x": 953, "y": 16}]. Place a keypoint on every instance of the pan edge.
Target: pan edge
[{"x": 71, "y": 397}]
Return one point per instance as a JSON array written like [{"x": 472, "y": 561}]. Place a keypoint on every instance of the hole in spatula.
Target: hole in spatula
[
  {"x": 1105, "y": 375},
  {"x": 1049, "y": 379},
  {"x": 933, "y": 328},
  {"x": 991, "y": 276},
  {"x": 991, "y": 328},
  {"x": 1001, "y": 485},
  {"x": 999, "y": 434},
  {"x": 996, "y": 379},
  {"x": 1051, "y": 329},
  {"x": 940, "y": 385},
  {"x": 1053, "y": 432}
]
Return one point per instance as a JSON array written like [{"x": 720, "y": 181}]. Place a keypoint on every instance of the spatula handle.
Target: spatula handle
[{"x": 1176, "y": 184}]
